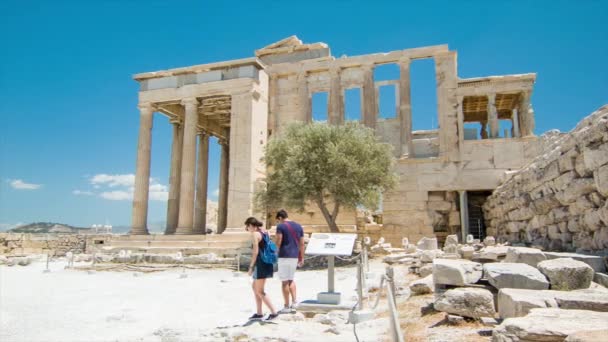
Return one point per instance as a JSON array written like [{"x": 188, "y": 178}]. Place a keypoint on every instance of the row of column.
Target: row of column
[
  {"x": 369, "y": 101},
  {"x": 520, "y": 114},
  {"x": 188, "y": 184}
]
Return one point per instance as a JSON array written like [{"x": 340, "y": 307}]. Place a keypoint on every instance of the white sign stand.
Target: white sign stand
[{"x": 331, "y": 245}]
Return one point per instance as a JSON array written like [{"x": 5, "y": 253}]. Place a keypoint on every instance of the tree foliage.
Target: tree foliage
[{"x": 329, "y": 165}]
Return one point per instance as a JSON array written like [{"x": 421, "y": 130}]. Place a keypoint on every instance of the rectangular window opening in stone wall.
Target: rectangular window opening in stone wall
[
  {"x": 352, "y": 104},
  {"x": 386, "y": 72},
  {"x": 423, "y": 87},
  {"x": 387, "y": 101},
  {"x": 319, "y": 106}
]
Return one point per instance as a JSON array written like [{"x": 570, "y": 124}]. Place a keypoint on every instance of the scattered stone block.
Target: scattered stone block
[
  {"x": 488, "y": 321},
  {"x": 466, "y": 252},
  {"x": 588, "y": 336},
  {"x": 467, "y": 302},
  {"x": 596, "y": 262},
  {"x": 422, "y": 286},
  {"x": 601, "y": 278},
  {"x": 427, "y": 256},
  {"x": 526, "y": 255},
  {"x": 451, "y": 240},
  {"x": 493, "y": 253},
  {"x": 456, "y": 272},
  {"x": 425, "y": 270},
  {"x": 567, "y": 274},
  {"x": 549, "y": 325},
  {"x": 519, "y": 302},
  {"x": 514, "y": 276},
  {"x": 427, "y": 244},
  {"x": 489, "y": 241},
  {"x": 455, "y": 319}
]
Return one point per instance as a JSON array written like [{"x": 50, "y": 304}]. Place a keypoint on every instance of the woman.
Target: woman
[{"x": 258, "y": 269}]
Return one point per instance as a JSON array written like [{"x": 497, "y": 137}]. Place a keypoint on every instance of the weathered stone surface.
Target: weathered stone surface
[
  {"x": 600, "y": 176},
  {"x": 428, "y": 256},
  {"x": 427, "y": 244},
  {"x": 594, "y": 261},
  {"x": 530, "y": 256},
  {"x": 566, "y": 273},
  {"x": 515, "y": 276},
  {"x": 489, "y": 241},
  {"x": 519, "y": 302},
  {"x": 425, "y": 270},
  {"x": 451, "y": 240},
  {"x": 493, "y": 253},
  {"x": 467, "y": 302},
  {"x": 549, "y": 325},
  {"x": 422, "y": 286},
  {"x": 466, "y": 252},
  {"x": 581, "y": 300},
  {"x": 588, "y": 336},
  {"x": 601, "y": 278},
  {"x": 456, "y": 272}
]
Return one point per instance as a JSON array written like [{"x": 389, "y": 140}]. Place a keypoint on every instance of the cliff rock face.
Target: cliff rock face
[{"x": 559, "y": 200}]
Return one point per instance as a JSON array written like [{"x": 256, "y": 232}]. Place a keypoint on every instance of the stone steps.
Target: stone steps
[
  {"x": 219, "y": 251},
  {"x": 180, "y": 244}
]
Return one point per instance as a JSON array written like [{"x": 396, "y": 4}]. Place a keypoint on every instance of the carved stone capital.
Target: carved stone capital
[
  {"x": 189, "y": 101},
  {"x": 146, "y": 107}
]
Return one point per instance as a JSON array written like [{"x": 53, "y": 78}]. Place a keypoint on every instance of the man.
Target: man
[{"x": 290, "y": 240}]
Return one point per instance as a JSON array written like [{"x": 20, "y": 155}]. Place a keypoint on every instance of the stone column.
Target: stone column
[
  {"x": 139, "y": 218},
  {"x": 370, "y": 106},
  {"x": 464, "y": 214},
  {"x": 222, "y": 214},
  {"x": 515, "y": 122},
  {"x": 405, "y": 109},
  {"x": 336, "y": 99},
  {"x": 492, "y": 116},
  {"x": 186, "y": 194},
  {"x": 484, "y": 130},
  {"x": 174, "y": 176},
  {"x": 460, "y": 114},
  {"x": 200, "y": 207},
  {"x": 304, "y": 98},
  {"x": 526, "y": 115}
]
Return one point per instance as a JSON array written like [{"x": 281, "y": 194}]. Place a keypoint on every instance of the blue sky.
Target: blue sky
[{"x": 68, "y": 103}]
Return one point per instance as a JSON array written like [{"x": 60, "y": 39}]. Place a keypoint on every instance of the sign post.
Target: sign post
[{"x": 330, "y": 245}]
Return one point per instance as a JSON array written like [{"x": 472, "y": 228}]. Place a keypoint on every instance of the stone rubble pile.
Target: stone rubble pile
[
  {"x": 512, "y": 284},
  {"x": 558, "y": 201}
]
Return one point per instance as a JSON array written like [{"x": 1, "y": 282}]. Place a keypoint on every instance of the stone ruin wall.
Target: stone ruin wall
[
  {"x": 558, "y": 201},
  {"x": 18, "y": 244}
]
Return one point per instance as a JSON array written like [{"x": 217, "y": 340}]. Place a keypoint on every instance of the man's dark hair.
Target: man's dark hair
[{"x": 282, "y": 214}]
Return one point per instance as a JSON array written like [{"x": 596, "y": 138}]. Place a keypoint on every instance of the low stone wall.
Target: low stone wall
[
  {"x": 18, "y": 244},
  {"x": 558, "y": 201}
]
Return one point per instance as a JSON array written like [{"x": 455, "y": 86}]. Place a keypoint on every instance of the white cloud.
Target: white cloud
[
  {"x": 117, "y": 195},
  {"x": 216, "y": 193},
  {"x": 113, "y": 180},
  {"x": 84, "y": 193},
  {"x": 21, "y": 185},
  {"x": 121, "y": 187}
]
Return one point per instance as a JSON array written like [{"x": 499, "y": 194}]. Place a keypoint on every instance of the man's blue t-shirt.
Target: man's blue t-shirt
[{"x": 290, "y": 247}]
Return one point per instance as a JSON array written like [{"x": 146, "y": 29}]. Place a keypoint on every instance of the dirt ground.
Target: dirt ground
[{"x": 421, "y": 323}]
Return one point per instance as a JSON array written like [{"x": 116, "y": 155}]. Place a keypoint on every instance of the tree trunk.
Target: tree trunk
[{"x": 329, "y": 218}]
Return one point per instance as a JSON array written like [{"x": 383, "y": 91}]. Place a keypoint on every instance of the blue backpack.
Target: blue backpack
[{"x": 269, "y": 252}]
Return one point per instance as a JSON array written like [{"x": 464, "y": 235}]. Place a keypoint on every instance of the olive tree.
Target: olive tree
[{"x": 333, "y": 166}]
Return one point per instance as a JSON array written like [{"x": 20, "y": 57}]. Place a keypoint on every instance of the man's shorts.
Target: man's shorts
[{"x": 287, "y": 268}]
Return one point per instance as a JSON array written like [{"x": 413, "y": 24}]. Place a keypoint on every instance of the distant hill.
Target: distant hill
[{"x": 49, "y": 227}]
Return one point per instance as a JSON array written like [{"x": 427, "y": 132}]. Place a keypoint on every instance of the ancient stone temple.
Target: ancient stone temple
[{"x": 445, "y": 173}]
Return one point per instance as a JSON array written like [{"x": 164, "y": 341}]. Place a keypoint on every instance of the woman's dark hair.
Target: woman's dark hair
[{"x": 253, "y": 221}]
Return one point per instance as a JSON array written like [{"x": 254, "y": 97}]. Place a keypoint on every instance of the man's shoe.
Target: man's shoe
[
  {"x": 292, "y": 307},
  {"x": 256, "y": 317},
  {"x": 272, "y": 316}
]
